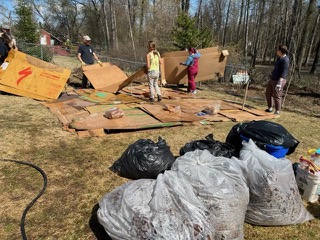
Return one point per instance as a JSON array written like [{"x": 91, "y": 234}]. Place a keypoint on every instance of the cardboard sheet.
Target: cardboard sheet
[
  {"x": 134, "y": 118},
  {"x": 69, "y": 109},
  {"x": 106, "y": 77},
  {"x": 100, "y": 96},
  {"x": 165, "y": 116},
  {"x": 31, "y": 77},
  {"x": 211, "y": 63}
]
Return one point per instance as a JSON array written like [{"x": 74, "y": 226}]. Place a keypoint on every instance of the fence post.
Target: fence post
[{"x": 41, "y": 52}]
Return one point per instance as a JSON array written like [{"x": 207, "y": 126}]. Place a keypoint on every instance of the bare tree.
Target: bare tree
[
  {"x": 314, "y": 34},
  {"x": 255, "y": 43},
  {"x": 226, "y": 25},
  {"x": 307, "y": 31}
]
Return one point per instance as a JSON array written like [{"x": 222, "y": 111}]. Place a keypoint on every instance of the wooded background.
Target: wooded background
[{"x": 252, "y": 28}]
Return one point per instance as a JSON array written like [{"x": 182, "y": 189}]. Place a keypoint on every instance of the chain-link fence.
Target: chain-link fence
[
  {"x": 46, "y": 53},
  {"x": 42, "y": 52}
]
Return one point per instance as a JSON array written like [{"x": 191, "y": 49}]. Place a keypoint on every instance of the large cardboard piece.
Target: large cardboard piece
[
  {"x": 211, "y": 65},
  {"x": 31, "y": 77},
  {"x": 106, "y": 77}
]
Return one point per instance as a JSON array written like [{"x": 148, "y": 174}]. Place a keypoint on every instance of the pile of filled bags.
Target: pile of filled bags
[{"x": 208, "y": 192}]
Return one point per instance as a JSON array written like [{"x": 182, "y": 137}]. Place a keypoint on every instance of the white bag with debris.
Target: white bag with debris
[
  {"x": 166, "y": 208},
  {"x": 274, "y": 195},
  {"x": 219, "y": 183}
]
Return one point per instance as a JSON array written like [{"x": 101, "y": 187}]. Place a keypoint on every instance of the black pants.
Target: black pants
[{"x": 84, "y": 81}]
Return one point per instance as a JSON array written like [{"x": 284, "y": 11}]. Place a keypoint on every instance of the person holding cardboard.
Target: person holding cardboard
[
  {"x": 86, "y": 56},
  {"x": 153, "y": 67},
  {"x": 192, "y": 63}
]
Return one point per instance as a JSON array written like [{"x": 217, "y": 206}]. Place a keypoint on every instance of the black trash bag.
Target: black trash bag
[
  {"x": 234, "y": 138},
  {"x": 262, "y": 133},
  {"x": 216, "y": 148},
  {"x": 144, "y": 159}
]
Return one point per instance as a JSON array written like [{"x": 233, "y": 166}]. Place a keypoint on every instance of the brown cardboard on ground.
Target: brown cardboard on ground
[
  {"x": 32, "y": 77},
  {"x": 165, "y": 116},
  {"x": 106, "y": 77},
  {"x": 134, "y": 118},
  {"x": 211, "y": 63}
]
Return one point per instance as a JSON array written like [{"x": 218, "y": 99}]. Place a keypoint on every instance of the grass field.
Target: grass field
[{"x": 78, "y": 175}]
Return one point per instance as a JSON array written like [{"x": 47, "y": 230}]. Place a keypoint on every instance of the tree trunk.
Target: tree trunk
[
  {"x": 131, "y": 32},
  {"x": 114, "y": 33},
  {"x": 199, "y": 13},
  {"x": 316, "y": 59},
  {"x": 296, "y": 13},
  {"x": 185, "y": 5},
  {"x": 226, "y": 25},
  {"x": 240, "y": 20},
  {"x": 314, "y": 33},
  {"x": 246, "y": 31},
  {"x": 258, "y": 35},
  {"x": 307, "y": 32},
  {"x": 142, "y": 12}
]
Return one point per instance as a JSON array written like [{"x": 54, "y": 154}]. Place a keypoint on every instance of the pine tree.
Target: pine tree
[
  {"x": 186, "y": 34},
  {"x": 26, "y": 27}
]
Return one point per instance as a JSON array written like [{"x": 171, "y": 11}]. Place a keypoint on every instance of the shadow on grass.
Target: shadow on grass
[
  {"x": 314, "y": 209},
  {"x": 96, "y": 227}
]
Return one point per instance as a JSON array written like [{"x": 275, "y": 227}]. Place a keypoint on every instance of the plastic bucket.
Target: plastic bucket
[
  {"x": 308, "y": 184},
  {"x": 276, "y": 151}
]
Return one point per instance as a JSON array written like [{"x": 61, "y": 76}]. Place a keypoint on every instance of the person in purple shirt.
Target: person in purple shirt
[
  {"x": 277, "y": 80},
  {"x": 192, "y": 63}
]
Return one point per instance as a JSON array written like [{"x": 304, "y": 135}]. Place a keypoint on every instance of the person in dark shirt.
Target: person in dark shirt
[
  {"x": 3, "y": 51},
  {"x": 86, "y": 56},
  {"x": 277, "y": 80}
]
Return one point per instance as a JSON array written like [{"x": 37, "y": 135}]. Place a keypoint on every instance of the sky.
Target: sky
[{"x": 8, "y": 5}]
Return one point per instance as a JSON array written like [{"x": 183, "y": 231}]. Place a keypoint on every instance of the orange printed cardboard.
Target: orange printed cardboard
[{"x": 31, "y": 77}]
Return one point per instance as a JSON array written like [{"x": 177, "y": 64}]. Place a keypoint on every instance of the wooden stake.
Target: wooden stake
[{"x": 245, "y": 94}]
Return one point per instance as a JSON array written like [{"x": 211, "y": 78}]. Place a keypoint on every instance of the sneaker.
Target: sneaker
[
  {"x": 277, "y": 112},
  {"x": 194, "y": 92},
  {"x": 159, "y": 98},
  {"x": 269, "y": 110},
  {"x": 151, "y": 100}
]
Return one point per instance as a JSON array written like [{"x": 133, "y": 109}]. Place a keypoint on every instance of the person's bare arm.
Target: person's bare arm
[
  {"x": 80, "y": 59},
  {"x": 148, "y": 62},
  {"x": 95, "y": 57}
]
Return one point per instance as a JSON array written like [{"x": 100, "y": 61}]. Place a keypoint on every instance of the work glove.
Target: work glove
[
  {"x": 100, "y": 63},
  {"x": 83, "y": 63},
  {"x": 278, "y": 86}
]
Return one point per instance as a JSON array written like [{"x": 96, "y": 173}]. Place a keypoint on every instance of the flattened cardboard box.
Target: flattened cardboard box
[
  {"x": 106, "y": 77},
  {"x": 31, "y": 77},
  {"x": 211, "y": 63}
]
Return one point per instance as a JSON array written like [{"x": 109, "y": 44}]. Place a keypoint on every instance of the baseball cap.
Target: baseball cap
[
  {"x": 87, "y": 38},
  {"x": 5, "y": 27}
]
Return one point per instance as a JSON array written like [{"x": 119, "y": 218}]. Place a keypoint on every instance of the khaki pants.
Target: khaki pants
[
  {"x": 153, "y": 77},
  {"x": 273, "y": 96}
]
